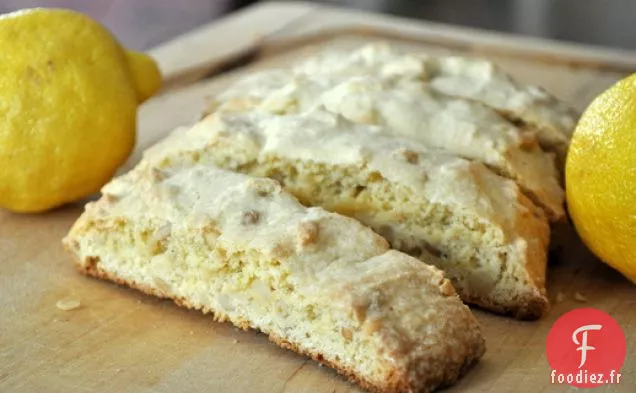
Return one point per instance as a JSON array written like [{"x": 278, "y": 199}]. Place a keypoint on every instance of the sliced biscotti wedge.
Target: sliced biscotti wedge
[
  {"x": 466, "y": 128},
  {"x": 490, "y": 238},
  {"x": 315, "y": 282},
  {"x": 471, "y": 78}
]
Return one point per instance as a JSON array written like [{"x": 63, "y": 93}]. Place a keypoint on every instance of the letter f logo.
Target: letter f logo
[{"x": 583, "y": 344}]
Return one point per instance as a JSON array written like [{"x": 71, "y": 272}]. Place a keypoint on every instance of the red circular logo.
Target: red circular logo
[{"x": 586, "y": 348}]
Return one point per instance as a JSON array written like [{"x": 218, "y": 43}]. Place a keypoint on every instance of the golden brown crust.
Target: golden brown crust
[
  {"x": 398, "y": 382},
  {"x": 529, "y": 307}
]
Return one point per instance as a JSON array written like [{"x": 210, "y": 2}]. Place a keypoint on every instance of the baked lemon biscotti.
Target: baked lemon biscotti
[
  {"x": 316, "y": 282},
  {"x": 490, "y": 238},
  {"x": 466, "y": 128},
  {"x": 470, "y": 78}
]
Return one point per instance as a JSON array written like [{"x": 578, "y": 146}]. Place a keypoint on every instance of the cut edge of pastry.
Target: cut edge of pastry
[
  {"x": 411, "y": 350},
  {"x": 523, "y": 160},
  {"x": 397, "y": 384},
  {"x": 514, "y": 286}
]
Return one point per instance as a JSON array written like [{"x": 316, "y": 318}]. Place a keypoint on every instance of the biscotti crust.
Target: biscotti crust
[
  {"x": 399, "y": 383},
  {"x": 124, "y": 238}
]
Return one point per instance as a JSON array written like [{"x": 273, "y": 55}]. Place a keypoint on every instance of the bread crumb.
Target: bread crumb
[
  {"x": 446, "y": 288},
  {"x": 68, "y": 304},
  {"x": 528, "y": 140},
  {"x": 235, "y": 341},
  {"x": 373, "y": 326},
  {"x": 191, "y": 332},
  {"x": 265, "y": 187},
  {"x": 281, "y": 251},
  {"x": 346, "y": 333},
  {"x": 382, "y": 242},
  {"x": 118, "y": 370},
  {"x": 111, "y": 198},
  {"x": 250, "y": 217},
  {"x": 210, "y": 233},
  {"x": 308, "y": 233},
  {"x": 91, "y": 261},
  {"x": 410, "y": 156},
  {"x": 579, "y": 297},
  {"x": 360, "y": 312},
  {"x": 560, "y": 297}
]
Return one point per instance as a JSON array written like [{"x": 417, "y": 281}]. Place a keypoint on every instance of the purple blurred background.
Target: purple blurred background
[{"x": 141, "y": 24}]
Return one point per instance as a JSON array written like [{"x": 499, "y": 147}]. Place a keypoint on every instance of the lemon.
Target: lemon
[
  {"x": 601, "y": 177},
  {"x": 69, "y": 95}
]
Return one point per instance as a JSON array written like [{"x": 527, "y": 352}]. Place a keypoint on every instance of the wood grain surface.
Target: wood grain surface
[{"x": 121, "y": 341}]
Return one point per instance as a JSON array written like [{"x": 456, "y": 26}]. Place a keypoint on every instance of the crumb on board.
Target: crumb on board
[
  {"x": 68, "y": 304},
  {"x": 235, "y": 341},
  {"x": 191, "y": 332},
  {"x": 560, "y": 297},
  {"x": 579, "y": 297}
]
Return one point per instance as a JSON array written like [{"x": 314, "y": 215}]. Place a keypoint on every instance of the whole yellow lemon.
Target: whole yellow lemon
[
  {"x": 68, "y": 102},
  {"x": 601, "y": 177}
]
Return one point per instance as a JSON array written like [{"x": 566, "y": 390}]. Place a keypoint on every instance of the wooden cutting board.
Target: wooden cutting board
[{"x": 121, "y": 341}]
